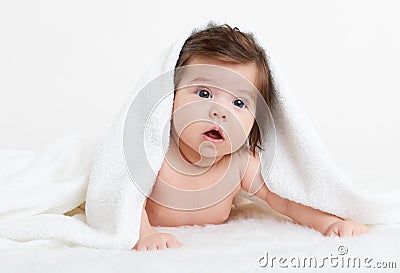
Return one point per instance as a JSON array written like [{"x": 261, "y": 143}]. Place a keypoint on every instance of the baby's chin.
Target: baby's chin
[{"x": 207, "y": 149}]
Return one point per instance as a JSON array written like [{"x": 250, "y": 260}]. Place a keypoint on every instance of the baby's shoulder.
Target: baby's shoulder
[{"x": 247, "y": 160}]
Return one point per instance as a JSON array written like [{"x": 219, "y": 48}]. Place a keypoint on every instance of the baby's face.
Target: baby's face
[{"x": 214, "y": 106}]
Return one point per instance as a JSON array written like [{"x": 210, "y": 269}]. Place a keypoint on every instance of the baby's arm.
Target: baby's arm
[
  {"x": 150, "y": 239},
  {"x": 323, "y": 222}
]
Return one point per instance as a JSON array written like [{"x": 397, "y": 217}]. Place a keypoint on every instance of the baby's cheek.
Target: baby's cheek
[
  {"x": 238, "y": 136},
  {"x": 247, "y": 123}
]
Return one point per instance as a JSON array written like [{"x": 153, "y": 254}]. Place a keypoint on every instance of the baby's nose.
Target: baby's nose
[
  {"x": 215, "y": 114},
  {"x": 218, "y": 111}
]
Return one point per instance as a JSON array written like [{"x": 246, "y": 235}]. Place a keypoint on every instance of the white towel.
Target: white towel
[{"x": 302, "y": 171}]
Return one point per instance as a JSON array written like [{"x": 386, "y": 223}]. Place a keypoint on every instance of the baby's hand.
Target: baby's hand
[
  {"x": 344, "y": 228},
  {"x": 156, "y": 241}
]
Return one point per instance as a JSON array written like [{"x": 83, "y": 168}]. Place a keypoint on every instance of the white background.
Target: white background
[{"x": 68, "y": 66}]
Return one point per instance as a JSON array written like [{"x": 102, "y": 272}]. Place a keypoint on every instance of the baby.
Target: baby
[{"x": 213, "y": 151}]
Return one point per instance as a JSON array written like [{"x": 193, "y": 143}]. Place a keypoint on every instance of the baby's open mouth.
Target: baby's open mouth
[{"x": 214, "y": 134}]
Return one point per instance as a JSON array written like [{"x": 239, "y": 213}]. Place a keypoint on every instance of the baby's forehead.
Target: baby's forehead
[{"x": 217, "y": 77}]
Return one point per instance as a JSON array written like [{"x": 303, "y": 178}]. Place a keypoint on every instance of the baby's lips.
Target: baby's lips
[{"x": 220, "y": 131}]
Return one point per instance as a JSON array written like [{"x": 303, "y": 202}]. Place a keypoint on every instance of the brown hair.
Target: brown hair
[{"x": 228, "y": 44}]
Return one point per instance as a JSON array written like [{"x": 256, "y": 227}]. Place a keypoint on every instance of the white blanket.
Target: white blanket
[
  {"x": 36, "y": 190},
  {"x": 229, "y": 247}
]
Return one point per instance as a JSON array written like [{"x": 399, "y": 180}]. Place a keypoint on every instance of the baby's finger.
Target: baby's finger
[
  {"x": 152, "y": 246},
  {"x": 332, "y": 231},
  {"x": 161, "y": 245},
  {"x": 173, "y": 243},
  {"x": 141, "y": 247},
  {"x": 345, "y": 232},
  {"x": 362, "y": 230},
  {"x": 333, "y": 234},
  {"x": 357, "y": 232}
]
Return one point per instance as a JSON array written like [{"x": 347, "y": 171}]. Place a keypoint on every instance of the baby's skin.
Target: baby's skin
[{"x": 207, "y": 164}]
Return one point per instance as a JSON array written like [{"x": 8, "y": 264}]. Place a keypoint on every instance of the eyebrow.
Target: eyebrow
[
  {"x": 247, "y": 92},
  {"x": 202, "y": 79}
]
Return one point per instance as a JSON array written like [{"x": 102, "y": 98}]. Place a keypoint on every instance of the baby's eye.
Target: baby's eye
[
  {"x": 204, "y": 93},
  {"x": 239, "y": 103}
]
